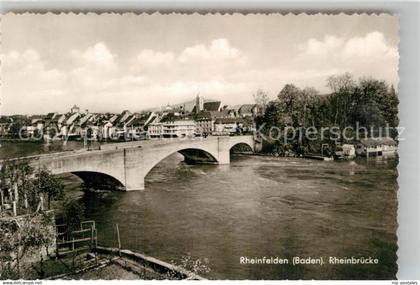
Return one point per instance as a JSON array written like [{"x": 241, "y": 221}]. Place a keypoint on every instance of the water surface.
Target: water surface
[
  {"x": 254, "y": 207},
  {"x": 259, "y": 206}
]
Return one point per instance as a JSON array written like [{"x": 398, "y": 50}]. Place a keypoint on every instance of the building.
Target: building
[
  {"x": 52, "y": 126},
  {"x": 138, "y": 127},
  {"x": 212, "y": 106},
  {"x": 75, "y": 109},
  {"x": 227, "y": 126},
  {"x": 61, "y": 119},
  {"x": 376, "y": 147},
  {"x": 87, "y": 127},
  {"x": 205, "y": 120},
  {"x": 51, "y": 116},
  {"x": 34, "y": 128},
  {"x": 171, "y": 126},
  {"x": 248, "y": 110},
  {"x": 108, "y": 130},
  {"x": 171, "y": 129},
  {"x": 199, "y": 104},
  {"x": 68, "y": 128},
  {"x": 115, "y": 126},
  {"x": 204, "y": 123},
  {"x": 349, "y": 150},
  {"x": 135, "y": 128},
  {"x": 121, "y": 119}
]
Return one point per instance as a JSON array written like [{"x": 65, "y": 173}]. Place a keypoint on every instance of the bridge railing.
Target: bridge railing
[
  {"x": 155, "y": 141},
  {"x": 47, "y": 155},
  {"x": 121, "y": 145}
]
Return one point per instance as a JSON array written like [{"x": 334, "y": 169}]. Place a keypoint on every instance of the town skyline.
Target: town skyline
[
  {"x": 111, "y": 63},
  {"x": 173, "y": 106}
]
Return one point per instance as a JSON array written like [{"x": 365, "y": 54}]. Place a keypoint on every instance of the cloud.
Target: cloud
[
  {"x": 373, "y": 45},
  {"x": 368, "y": 55},
  {"x": 148, "y": 58},
  {"x": 196, "y": 63},
  {"x": 28, "y": 64},
  {"x": 218, "y": 51},
  {"x": 314, "y": 47},
  {"x": 29, "y": 57},
  {"x": 97, "y": 55},
  {"x": 96, "y": 78},
  {"x": 93, "y": 67},
  {"x": 157, "y": 77},
  {"x": 28, "y": 81},
  {"x": 123, "y": 81},
  {"x": 27, "y": 67},
  {"x": 210, "y": 59}
]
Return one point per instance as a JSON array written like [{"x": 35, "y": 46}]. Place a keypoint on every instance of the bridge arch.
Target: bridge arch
[
  {"x": 99, "y": 171},
  {"x": 99, "y": 180},
  {"x": 241, "y": 140},
  {"x": 191, "y": 155},
  {"x": 241, "y": 147},
  {"x": 202, "y": 151}
]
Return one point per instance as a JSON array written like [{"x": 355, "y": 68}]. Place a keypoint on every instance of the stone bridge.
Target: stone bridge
[{"x": 125, "y": 165}]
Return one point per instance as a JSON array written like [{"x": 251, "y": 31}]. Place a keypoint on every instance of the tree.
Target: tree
[
  {"x": 373, "y": 104},
  {"x": 74, "y": 213},
  {"x": 292, "y": 104},
  {"x": 28, "y": 235},
  {"x": 15, "y": 173},
  {"x": 366, "y": 101},
  {"x": 24, "y": 173},
  {"x": 9, "y": 245},
  {"x": 17, "y": 126},
  {"x": 272, "y": 114},
  {"x": 309, "y": 95},
  {"x": 342, "y": 86},
  {"x": 261, "y": 98},
  {"x": 46, "y": 183},
  {"x": 390, "y": 104},
  {"x": 4, "y": 175},
  {"x": 341, "y": 82},
  {"x": 38, "y": 233}
]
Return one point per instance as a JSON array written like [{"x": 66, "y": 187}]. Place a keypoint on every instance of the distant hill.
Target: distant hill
[{"x": 189, "y": 105}]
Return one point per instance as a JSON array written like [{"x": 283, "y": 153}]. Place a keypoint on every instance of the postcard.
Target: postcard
[{"x": 199, "y": 146}]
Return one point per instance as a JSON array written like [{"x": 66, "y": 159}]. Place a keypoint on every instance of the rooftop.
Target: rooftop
[
  {"x": 229, "y": 120},
  {"x": 369, "y": 142}
]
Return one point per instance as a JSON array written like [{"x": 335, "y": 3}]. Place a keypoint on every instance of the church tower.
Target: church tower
[{"x": 199, "y": 104}]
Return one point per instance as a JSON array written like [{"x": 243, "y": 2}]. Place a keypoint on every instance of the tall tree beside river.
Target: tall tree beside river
[{"x": 367, "y": 102}]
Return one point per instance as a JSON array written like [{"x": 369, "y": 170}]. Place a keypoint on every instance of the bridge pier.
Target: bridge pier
[
  {"x": 133, "y": 185},
  {"x": 223, "y": 150},
  {"x": 133, "y": 169}
]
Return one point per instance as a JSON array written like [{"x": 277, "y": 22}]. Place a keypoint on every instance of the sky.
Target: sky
[{"x": 114, "y": 62}]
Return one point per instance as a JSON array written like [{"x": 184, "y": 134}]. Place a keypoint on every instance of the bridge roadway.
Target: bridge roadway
[{"x": 124, "y": 165}]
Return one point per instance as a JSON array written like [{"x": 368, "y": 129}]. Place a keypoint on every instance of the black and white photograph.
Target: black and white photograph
[{"x": 176, "y": 146}]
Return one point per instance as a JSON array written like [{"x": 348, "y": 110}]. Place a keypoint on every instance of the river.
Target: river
[{"x": 258, "y": 206}]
